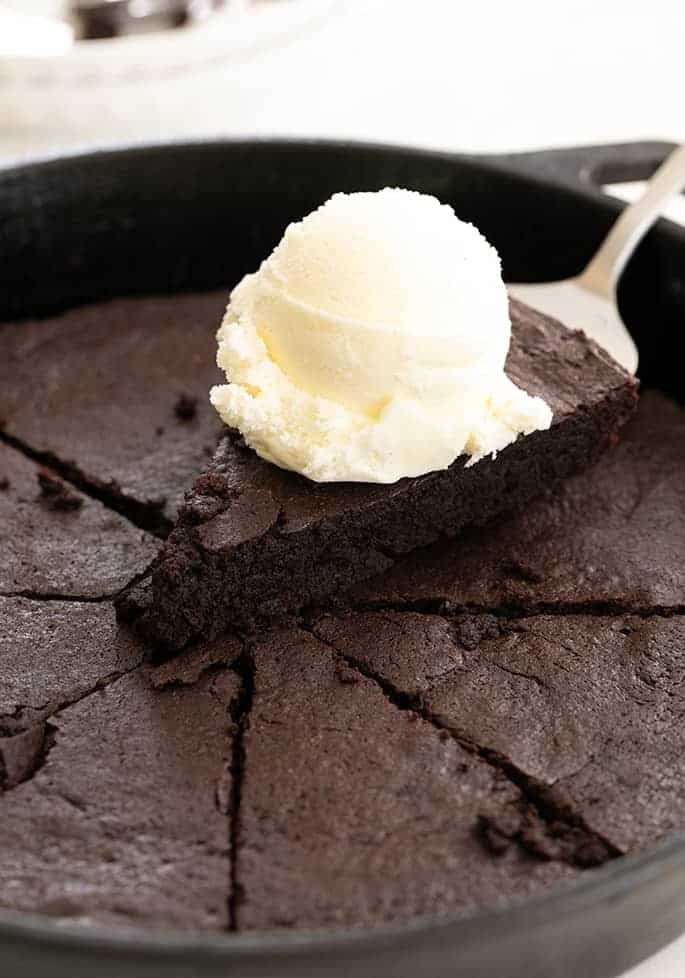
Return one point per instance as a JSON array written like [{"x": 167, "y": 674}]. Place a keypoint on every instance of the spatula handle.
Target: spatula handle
[{"x": 604, "y": 270}]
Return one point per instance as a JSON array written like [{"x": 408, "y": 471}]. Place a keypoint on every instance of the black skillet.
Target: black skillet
[{"x": 199, "y": 215}]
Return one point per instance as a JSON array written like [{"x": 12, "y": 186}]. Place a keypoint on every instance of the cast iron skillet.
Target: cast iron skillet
[{"x": 199, "y": 215}]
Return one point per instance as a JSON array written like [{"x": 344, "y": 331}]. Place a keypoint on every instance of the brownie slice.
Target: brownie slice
[
  {"x": 254, "y": 542},
  {"x": 117, "y": 395},
  {"x": 587, "y": 710},
  {"x": 355, "y": 813},
  {"x": 55, "y": 534},
  {"x": 115, "y": 809},
  {"x": 612, "y": 538}
]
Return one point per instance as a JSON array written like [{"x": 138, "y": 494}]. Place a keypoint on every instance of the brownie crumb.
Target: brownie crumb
[
  {"x": 548, "y": 840},
  {"x": 346, "y": 675},
  {"x": 492, "y": 837},
  {"x": 57, "y": 494},
  {"x": 210, "y": 494},
  {"x": 560, "y": 840},
  {"x": 185, "y": 407},
  {"x": 4, "y": 484},
  {"x": 470, "y": 630},
  {"x": 159, "y": 431},
  {"x": 213, "y": 484}
]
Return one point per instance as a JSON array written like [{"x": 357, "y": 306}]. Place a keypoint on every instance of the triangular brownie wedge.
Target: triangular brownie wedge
[
  {"x": 354, "y": 813},
  {"x": 253, "y": 542}
]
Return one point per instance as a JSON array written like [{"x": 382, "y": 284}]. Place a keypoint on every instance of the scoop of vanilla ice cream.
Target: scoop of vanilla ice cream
[{"x": 370, "y": 345}]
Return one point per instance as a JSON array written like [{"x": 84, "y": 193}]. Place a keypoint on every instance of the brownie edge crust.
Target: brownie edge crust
[{"x": 255, "y": 543}]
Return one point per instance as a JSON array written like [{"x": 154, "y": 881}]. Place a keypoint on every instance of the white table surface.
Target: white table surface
[{"x": 510, "y": 76}]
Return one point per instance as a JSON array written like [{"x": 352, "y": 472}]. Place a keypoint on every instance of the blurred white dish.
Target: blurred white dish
[{"x": 57, "y": 92}]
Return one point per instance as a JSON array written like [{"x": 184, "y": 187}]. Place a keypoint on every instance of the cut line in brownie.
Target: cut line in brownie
[
  {"x": 54, "y": 652},
  {"x": 53, "y": 535},
  {"x": 115, "y": 780},
  {"x": 610, "y": 538},
  {"x": 116, "y": 396},
  {"x": 135, "y": 832},
  {"x": 254, "y": 542},
  {"x": 354, "y": 813},
  {"x": 588, "y": 710}
]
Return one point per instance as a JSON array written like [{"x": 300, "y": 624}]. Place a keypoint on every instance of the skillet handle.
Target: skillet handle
[{"x": 591, "y": 166}]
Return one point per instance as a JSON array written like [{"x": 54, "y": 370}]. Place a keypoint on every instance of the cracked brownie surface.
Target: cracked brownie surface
[
  {"x": 115, "y": 781},
  {"x": 54, "y": 652},
  {"x": 490, "y": 717},
  {"x": 589, "y": 711},
  {"x": 135, "y": 830},
  {"x": 55, "y": 546},
  {"x": 612, "y": 537},
  {"x": 98, "y": 390},
  {"x": 354, "y": 812}
]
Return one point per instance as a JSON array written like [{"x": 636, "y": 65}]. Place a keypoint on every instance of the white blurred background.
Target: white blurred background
[{"x": 488, "y": 75}]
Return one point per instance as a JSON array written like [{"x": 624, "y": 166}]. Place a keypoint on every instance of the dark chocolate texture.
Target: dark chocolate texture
[
  {"x": 126, "y": 821},
  {"x": 589, "y": 710},
  {"x": 355, "y": 813},
  {"x": 115, "y": 779},
  {"x": 99, "y": 389},
  {"x": 52, "y": 536},
  {"x": 54, "y": 652},
  {"x": 612, "y": 537}
]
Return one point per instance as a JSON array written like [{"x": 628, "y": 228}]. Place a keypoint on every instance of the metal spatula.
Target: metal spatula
[{"x": 588, "y": 302}]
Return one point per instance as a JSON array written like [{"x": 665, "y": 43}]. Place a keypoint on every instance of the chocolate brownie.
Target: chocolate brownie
[
  {"x": 116, "y": 808},
  {"x": 588, "y": 711},
  {"x": 367, "y": 765},
  {"x": 54, "y": 546},
  {"x": 354, "y": 813},
  {"x": 611, "y": 538},
  {"x": 97, "y": 392},
  {"x": 254, "y": 542}
]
